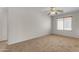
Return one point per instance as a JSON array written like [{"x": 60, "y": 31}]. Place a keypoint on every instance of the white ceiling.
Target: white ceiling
[
  {"x": 69, "y": 9},
  {"x": 65, "y": 9}
]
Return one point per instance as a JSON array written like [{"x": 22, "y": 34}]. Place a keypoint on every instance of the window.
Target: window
[
  {"x": 67, "y": 23},
  {"x": 64, "y": 23},
  {"x": 60, "y": 24}
]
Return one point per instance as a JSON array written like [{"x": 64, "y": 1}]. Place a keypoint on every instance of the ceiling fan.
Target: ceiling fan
[{"x": 54, "y": 11}]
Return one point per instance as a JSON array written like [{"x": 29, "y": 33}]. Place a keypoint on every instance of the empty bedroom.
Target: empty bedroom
[{"x": 39, "y": 29}]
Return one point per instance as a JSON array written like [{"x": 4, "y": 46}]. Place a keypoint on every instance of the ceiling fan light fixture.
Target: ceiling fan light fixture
[{"x": 54, "y": 11}]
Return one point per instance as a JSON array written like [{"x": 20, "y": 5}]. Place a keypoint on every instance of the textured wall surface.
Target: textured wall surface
[
  {"x": 27, "y": 23},
  {"x": 75, "y": 25}
]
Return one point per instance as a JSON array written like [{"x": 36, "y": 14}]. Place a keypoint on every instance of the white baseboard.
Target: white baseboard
[
  {"x": 10, "y": 43},
  {"x": 66, "y": 36}
]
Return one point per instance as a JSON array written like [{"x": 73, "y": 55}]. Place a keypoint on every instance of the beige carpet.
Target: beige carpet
[
  {"x": 3, "y": 46},
  {"x": 50, "y": 43}
]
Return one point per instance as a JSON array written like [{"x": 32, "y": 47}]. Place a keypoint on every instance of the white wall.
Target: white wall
[
  {"x": 3, "y": 23},
  {"x": 75, "y": 25},
  {"x": 27, "y": 23}
]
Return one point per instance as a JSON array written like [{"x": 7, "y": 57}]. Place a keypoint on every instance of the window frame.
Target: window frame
[
  {"x": 57, "y": 23},
  {"x": 63, "y": 23}
]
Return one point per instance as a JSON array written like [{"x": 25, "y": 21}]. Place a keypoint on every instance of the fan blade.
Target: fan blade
[{"x": 59, "y": 10}]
